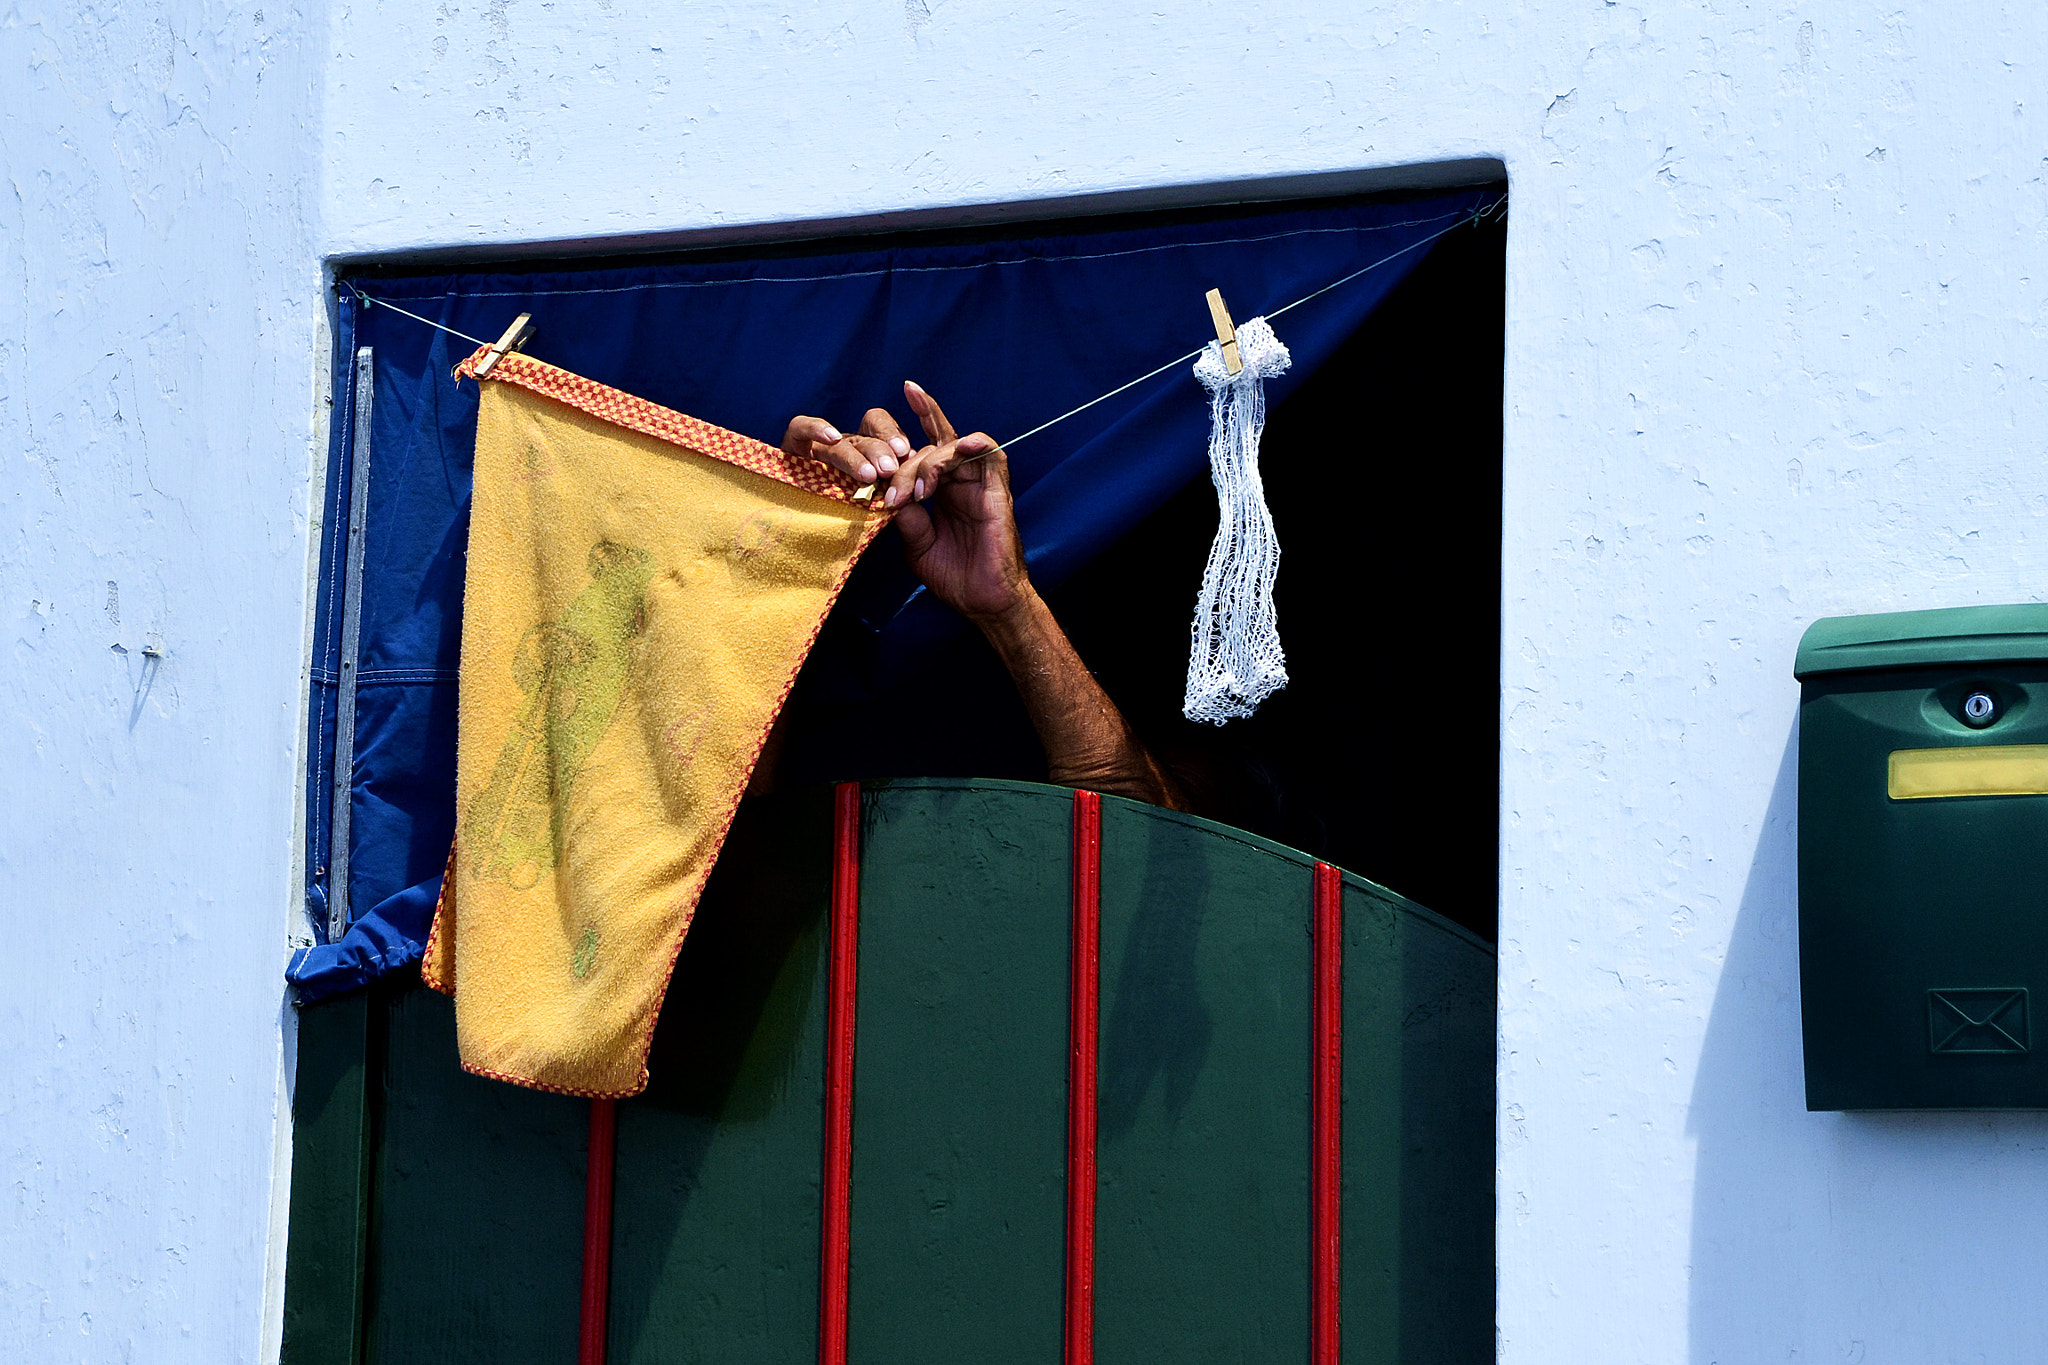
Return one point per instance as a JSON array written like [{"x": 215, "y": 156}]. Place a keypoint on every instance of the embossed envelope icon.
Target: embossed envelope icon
[{"x": 1980, "y": 1019}]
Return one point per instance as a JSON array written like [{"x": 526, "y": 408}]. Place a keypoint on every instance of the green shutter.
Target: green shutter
[
  {"x": 1418, "y": 1125},
  {"x": 715, "y": 1214},
  {"x": 1202, "y": 1242},
  {"x": 960, "y": 1075},
  {"x": 437, "y": 1217},
  {"x": 326, "y": 1246},
  {"x": 477, "y": 1207}
]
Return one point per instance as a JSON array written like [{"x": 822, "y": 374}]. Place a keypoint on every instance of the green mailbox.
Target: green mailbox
[{"x": 1923, "y": 859}]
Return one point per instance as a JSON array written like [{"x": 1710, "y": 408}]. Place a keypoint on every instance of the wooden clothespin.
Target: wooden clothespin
[
  {"x": 517, "y": 335},
  {"x": 1226, "y": 332}
]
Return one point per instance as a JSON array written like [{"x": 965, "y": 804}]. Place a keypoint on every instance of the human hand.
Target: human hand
[
  {"x": 875, "y": 451},
  {"x": 963, "y": 546}
]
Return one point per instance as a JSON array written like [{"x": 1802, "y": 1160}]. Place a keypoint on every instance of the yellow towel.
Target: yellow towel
[{"x": 642, "y": 588}]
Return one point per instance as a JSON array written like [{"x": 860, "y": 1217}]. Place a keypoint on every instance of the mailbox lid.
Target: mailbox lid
[{"x": 1938, "y": 638}]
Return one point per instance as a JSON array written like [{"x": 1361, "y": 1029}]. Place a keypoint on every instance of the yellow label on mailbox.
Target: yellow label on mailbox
[{"x": 1984, "y": 770}]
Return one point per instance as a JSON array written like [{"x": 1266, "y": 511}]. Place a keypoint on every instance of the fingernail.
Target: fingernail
[
  {"x": 888, "y": 465},
  {"x": 832, "y": 435},
  {"x": 894, "y": 496},
  {"x": 867, "y": 473},
  {"x": 920, "y": 490},
  {"x": 899, "y": 445}
]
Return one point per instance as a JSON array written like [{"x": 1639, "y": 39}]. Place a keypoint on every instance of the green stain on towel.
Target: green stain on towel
[{"x": 573, "y": 671}]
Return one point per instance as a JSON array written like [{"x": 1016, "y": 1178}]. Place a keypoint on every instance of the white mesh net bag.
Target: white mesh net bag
[{"x": 1236, "y": 661}]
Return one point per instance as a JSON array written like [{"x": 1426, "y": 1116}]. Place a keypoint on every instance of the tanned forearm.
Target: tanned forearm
[{"x": 1087, "y": 742}]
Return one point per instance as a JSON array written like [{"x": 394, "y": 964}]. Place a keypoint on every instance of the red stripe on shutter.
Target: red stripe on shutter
[
  {"x": 1083, "y": 1009},
  {"x": 834, "y": 1253},
  {"x": 597, "y": 1230},
  {"x": 1325, "y": 1119}
]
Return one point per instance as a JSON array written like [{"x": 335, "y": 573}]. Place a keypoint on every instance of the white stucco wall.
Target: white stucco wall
[
  {"x": 159, "y": 314},
  {"x": 1777, "y": 349}
]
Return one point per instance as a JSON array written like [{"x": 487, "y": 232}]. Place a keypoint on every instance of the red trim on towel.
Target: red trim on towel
[
  {"x": 652, "y": 419},
  {"x": 437, "y": 974},
  {"x": 1327, "y": 1093},
  {"x": 835, "y": 1252},
  {"x": 597, "y": 1230},
  {"x": 1084, "y": 1010}
]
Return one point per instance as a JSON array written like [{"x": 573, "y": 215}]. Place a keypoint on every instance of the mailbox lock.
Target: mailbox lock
[{"x": 1979, "y": 709}]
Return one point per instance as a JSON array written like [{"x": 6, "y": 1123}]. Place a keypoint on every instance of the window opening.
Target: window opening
[{"x": 1383, "y": 474}]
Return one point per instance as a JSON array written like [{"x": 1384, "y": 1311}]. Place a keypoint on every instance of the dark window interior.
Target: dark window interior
[{"x": 1383, "y": 471}]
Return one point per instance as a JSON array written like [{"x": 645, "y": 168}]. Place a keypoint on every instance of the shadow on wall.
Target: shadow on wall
[{"x": 1893, "y": 1237}]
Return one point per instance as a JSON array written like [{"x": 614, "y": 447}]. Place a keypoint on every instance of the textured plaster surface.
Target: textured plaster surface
[
  {"x": 159, "y": 306},
  {"x": 1777, "y": 349}
]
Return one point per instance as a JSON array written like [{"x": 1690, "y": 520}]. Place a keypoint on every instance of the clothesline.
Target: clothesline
[
  {"x": 1182, "y": 360},
  {"x": 1476, "y": 216}
]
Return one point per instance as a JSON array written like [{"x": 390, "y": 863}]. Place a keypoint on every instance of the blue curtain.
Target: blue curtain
[{"x": 1006, "y": 333}]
